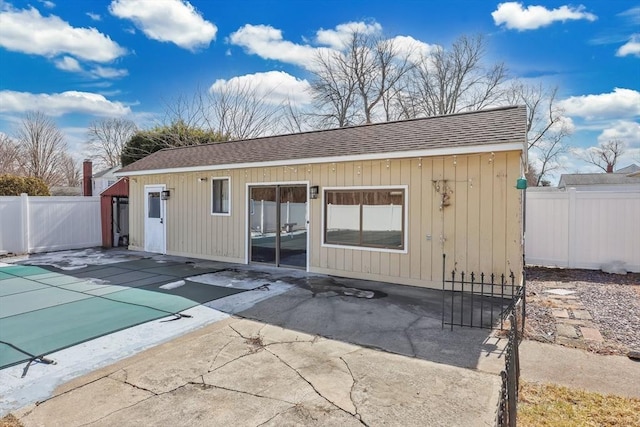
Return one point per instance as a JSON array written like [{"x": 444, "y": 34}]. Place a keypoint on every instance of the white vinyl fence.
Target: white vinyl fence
[
  {"x": 263, "y": 216},
  {"x": 583, "y": 229},
  {"x": 40, "y": 224}
]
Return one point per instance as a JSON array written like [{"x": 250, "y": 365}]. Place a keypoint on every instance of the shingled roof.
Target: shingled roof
[
  {"x": 568, "y": 180},
  {"x": 494, "y": 126}
]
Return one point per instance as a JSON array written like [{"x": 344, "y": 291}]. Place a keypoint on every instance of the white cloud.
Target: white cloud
[
  {"x": 618, "y": 104},
  {"x": 29, "y": 32},
  {"x": 48, "y": 4},
  {"x": 108, "y": 72},
  {"x": 623, "y": 130},
  {"x": 414, "y": 49},
  {"x": 338, "y": 38},
  {"x": 515, "y": 17},
  {"x": 267, "y": 42},
  {"x": 275, "y": 87},
  {"x": 68, "y": 63},
  {"x": 632, "y": 47},
  {"x": 57, "y": 104},
  {"x": 94, "y": 16},
  {"x": 175, "y": 21}
]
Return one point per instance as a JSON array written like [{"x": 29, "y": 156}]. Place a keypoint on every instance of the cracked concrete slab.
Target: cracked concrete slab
[
  {"x": 85, "y": 404},
  {"x": 262, "y": 374},
  {"x": 254, "y": 374},
  {"x": 420, "y": 393},
  {"x": 321, "y": 364},
  {"x": 314, "y": 413},
  {"x": 197, "y": 405}
]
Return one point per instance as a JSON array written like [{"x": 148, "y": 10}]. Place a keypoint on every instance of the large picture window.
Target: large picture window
[
  {"x": 371, "y": 218},
  {"x": 220, "y": 200}
]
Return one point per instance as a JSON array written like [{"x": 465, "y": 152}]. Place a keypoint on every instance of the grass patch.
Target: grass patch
[{"x": 557, "y": 406}]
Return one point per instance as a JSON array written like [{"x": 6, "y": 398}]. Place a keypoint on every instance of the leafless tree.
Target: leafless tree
[
  {"x": 42, "y": 147},
  {"x": 547, "y": 128},
  {"x": 106, "y": 138},
  {"x": 69, "y": 171},
  {"x": 9, "y": 156},
  {"x": 606, "y": 155},
  {"x": 334, "y": 91},
  {"x": 242, "y": 111},
  {"x": 350, "y": 86},
  {"x": 448, "y": 81}
]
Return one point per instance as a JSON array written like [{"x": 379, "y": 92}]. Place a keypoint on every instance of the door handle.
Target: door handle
[{"x": 161, "y": 221}]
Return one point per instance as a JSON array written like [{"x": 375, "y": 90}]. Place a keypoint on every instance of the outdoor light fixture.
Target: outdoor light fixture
[
  {"x": 202, "y": 179},
  {"x": 313, "y": 192},
  {"x": 164, "y": 195}
]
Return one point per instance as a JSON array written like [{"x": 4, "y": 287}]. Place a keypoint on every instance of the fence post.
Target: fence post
[
  {"x": 571, "y": 217},
  {"x": 24, "y": 222}
]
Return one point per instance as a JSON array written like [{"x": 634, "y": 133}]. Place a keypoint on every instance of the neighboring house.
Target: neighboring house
[
  {"x": 103, "y": 180},
  {"x": 631, "y": 170},
  {"x": 381, "y": 201},
  {"x": 627, "y": 179}
]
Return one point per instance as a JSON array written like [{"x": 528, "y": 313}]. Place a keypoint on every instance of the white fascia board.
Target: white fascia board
[{"x": 430, "y": 152}]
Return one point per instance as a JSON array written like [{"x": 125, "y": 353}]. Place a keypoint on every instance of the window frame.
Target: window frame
[
  {"x": 372, "y": 248},
  {"x": 220, "y": 178}
]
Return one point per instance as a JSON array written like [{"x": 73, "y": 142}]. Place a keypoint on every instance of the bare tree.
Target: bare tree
[
  {"x": 106, "y": 139},
  {"x": 606, "y": 155},
  {"x": 42, "y": 147},
  {"x": 454, "y": 80},
  {"x": 334, "y": 91},
  {"x": 9, "y": 156},
  {"x": 349, "y": 87},
  {"x": 242, "y": 111},
  {"x": 547, "y": 128},
  {"x": 69, "y": 171}
]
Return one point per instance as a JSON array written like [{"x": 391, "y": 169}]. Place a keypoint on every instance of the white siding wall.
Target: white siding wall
[
  {"x": 583, "y": 229},
  {"x": 39, "y": 224}
]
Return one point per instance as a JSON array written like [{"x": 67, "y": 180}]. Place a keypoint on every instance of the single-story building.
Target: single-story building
[
  {"x": 627, "y": 179},
  {"x": 379, "y": 201}
]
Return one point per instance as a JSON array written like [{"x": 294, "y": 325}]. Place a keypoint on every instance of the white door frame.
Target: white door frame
[{"x": 163, "y": 215}]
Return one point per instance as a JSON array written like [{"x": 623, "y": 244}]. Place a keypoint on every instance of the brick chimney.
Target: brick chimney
[{"x": 87, "y": 182}]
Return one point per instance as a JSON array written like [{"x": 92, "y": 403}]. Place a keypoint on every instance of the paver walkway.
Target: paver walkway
[{"x": 574, "y": 325}]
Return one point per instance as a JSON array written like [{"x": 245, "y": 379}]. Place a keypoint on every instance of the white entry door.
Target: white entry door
[{"x": 154, "y": 219}]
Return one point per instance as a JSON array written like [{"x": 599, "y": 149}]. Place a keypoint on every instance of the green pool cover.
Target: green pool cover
[{"x": 42, "y": 311}]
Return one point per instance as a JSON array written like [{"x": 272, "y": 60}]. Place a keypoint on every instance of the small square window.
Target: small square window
[{"x": 220, "y": 200}]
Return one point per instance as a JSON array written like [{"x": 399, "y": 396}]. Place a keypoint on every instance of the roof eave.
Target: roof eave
[{"x": 429, "y": 152}]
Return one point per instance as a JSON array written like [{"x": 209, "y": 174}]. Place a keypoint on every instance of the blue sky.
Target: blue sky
[{"x": 78, "y": 61}]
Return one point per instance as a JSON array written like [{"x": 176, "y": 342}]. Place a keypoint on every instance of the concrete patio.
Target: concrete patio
[
  {"x": 296, "y": 348},
  {"x": 245, "y": 373}
]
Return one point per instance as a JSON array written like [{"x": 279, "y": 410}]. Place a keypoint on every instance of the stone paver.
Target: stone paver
[
  {"x": 582, "y": 315},
  {"x": 591, "y": 334},
  {"x": 567, "y": 331},
  {"x": 569, "y": 314},
  {"x": 560, "y": 313}
]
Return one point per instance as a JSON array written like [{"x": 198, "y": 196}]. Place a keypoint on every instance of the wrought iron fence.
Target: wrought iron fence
[
  {"x": 478, "y": 300},
  {"x": 490, "y": 301}
]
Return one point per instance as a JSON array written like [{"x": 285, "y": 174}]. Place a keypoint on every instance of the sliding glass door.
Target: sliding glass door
[{"x": 278, "y": 225}]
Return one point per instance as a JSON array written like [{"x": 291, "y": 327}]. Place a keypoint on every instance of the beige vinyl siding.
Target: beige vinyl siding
[{"x": 479, "y": 231}]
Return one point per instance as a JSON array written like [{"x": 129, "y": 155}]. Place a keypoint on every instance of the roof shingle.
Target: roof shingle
[{"x": 495, "y": 126}]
